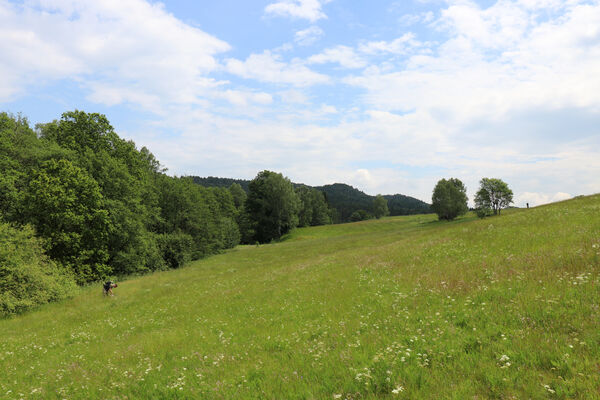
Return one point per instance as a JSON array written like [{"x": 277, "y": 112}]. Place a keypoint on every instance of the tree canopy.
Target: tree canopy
[
  {"x": 380, "y": 207},
  {"x": 272, "y": 206},
  {"x": 449, "y": 199},
  {"x": 100, "y": 206},
  {"x": 493, "y": 195}
]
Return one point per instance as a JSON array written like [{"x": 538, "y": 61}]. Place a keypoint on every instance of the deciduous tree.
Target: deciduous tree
[
  {"x": 380, "y": 206},
  {"x": 493, "y": 195},
  {"x": 449, "y": 199},
  {"x": 272, "y": 206}
]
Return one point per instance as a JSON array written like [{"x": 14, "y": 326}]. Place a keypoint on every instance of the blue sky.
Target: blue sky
[{"x": 389, "y": 96}]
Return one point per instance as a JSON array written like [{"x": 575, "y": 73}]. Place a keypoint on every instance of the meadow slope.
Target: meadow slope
[{"x": 403, "y": 307}]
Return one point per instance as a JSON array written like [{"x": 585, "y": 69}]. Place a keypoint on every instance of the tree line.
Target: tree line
[{"x": 347, "y": 203}]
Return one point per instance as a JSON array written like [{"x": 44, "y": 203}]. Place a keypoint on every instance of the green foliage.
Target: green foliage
[
  {"x": 126, "y": 180},
  {"x": 380, "y": 207},
  {"x": 449, "y": 199},
  {"x": 493, "y": 194},
  {"x": 229, "y": 232},
  {"x": 193, "y": 210},
  {"x": 342, "y": 200},
  {"x": 238, "y": 194},
  {"x": 79, "y": 131},
  {"x": 483, "y": 212},
  {"x": 27, "y": 277},
  {"x": 360, "y": 215},
  {"x": 272, "y": 206},
  {"x": 176, "y": 248},
  {"x": 313, "y": 209},
  {"x": 101, "y": 205},
  {"x": 65, "y": 205},
  {"x": 212, "y": 181},
  {"x": 400, "y": 204},
  {"x": 346, "y": 200}
]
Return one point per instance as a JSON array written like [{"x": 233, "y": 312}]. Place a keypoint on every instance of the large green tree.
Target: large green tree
[
  {"x": 449, "y": 199},
  {"x": 380, "y": 206},
  {"x": 126, "y": 179},
  {"x": 314, "y": 209},
  {"x": 67, "y": 208},
  {"x": 493, "y": 195},
  {"x": 271, "y": 207}
]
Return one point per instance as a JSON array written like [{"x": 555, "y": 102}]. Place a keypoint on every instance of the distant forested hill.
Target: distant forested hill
[
  {"x": 400, "y": 204},
  {"x": 345, "y": 199},
  {"x": 213, "y": 181}
]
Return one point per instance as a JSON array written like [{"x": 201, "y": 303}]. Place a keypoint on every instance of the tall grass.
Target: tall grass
[{"x": 403, "y": 307}]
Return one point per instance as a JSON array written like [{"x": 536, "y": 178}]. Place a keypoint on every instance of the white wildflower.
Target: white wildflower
[{"x": 398, "y": 389}]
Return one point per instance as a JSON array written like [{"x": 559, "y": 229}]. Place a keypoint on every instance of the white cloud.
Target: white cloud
[
  {"x": 268, "y": 67},
  {"x": 536, "y": 199},
  {"x": 243, "y": 98},
  {"x": 308, "y": 36},
  {"x": 411, "y": 19},
  {"x": 123, "y": 51},
  {"x": 328, "y": 109},
  {"x": 342, "y": 55},
  {"x": 496, "y": 60},
  {"x": 305, "y": 9},
  {"x": 399, "y": 45}
]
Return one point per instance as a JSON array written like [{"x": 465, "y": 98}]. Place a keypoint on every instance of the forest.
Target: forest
[{"x": 79, "y": 204}]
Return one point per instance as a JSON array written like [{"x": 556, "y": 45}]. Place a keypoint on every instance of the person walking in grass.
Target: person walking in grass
[{"x": 108, "y": 287}]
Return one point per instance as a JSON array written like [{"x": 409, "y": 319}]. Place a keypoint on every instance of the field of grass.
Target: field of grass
[{"x": 403, "y": 307}]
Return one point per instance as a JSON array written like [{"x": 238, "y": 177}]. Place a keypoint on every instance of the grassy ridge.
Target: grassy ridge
[{"x": 404, "y": 307}]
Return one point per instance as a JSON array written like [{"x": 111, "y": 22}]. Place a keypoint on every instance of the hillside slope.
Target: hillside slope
[{"x": 403, "y": 307}]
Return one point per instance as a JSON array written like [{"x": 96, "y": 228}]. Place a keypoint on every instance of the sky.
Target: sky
[{"x": 387, "y": 96}]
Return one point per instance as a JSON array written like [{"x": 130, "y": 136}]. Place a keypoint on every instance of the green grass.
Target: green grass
[{"x": 404, "y": 307}]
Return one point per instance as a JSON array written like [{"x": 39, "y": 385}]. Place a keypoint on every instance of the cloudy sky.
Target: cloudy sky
[{"x": 388, "y": 96}]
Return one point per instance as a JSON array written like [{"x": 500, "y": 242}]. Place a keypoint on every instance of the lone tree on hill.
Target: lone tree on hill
[
  {"x": 271, "y": 207},
  {"x": 493, "y": 195},
  {"x": 449, "y": 199},
  {"x": 380, "y": 207}
]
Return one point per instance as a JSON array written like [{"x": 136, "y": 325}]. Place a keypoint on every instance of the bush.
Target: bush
[
  {"x": 483, "y": 212},
  {"x": 176, "y": 248},
  {"x": 27, "y": 277},
  {"x": 360, "y": 215}
]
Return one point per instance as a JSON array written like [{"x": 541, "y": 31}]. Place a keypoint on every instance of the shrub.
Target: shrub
[
  {"x": 27, "y": 277},
  {"x": 176, "y": 248},
  {"x": 360, "y": 215}
]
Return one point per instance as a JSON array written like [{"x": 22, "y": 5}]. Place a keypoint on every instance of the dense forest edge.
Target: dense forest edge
[
  {"x": 79, "y": 204},
  {"x": 344, "y": 199}
]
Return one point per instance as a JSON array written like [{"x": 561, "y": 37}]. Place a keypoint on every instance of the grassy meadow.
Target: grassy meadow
[{"x": 403, "y": 307}]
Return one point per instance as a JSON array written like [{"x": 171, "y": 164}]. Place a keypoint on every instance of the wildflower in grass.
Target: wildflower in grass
[
  {"x": 503, "y": 361},
  {"x": 549, "y": 389},
  {"x": 398, "y": 389}
]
